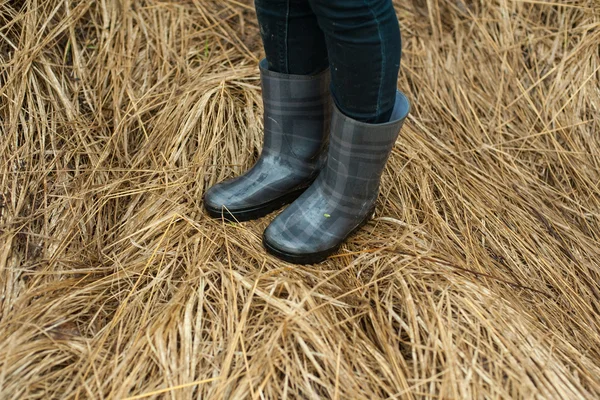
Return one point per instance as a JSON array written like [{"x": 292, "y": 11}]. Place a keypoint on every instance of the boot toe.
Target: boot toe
[
  {"x": 294, "y": 237},
  {"x": 213, "y": 197},
  {"x": 220, "y": 198},
  {"x": 280, "y": 240},
  {"x": 241, "y": 199},
  {"x": 217, "y": 198}
]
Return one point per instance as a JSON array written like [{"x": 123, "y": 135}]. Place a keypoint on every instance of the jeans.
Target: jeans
[{"x": 359, "y": 40}]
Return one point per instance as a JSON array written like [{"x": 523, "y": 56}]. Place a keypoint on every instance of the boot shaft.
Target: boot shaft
[
  {"x": 358, "y": 153},
  {"x": 297, "y": 112}
]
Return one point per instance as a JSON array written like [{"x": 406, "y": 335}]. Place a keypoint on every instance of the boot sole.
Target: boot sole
[
  {"x": 316, "y": 257},
  {"x": 255, "y": 212}
]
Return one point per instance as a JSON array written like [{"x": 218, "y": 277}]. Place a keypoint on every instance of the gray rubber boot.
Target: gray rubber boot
[
  {"x": 343, "y": 196},
  {"x": 296, "y": 119}
]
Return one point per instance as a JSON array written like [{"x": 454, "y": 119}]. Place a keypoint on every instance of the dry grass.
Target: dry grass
[{"x": 479, "y": 278}]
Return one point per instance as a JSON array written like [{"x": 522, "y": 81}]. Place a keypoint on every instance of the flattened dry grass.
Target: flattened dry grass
[{"x": 478, "y": 278}]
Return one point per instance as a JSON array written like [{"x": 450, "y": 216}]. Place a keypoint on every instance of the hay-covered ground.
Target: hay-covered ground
[{"x": 479, "y": 276}]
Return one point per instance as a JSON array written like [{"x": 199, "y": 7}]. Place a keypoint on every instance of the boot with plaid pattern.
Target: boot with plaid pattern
[
  {"x": 296, "y": 120},
  {"x": 343, "y": 196}
]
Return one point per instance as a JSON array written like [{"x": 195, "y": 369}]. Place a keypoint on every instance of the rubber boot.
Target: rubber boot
[
  {"x": 343, "y": 196},
  {"x": 296, "y": 120}
]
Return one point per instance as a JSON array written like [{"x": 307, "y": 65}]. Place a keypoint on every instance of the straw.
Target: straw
[{"x": 478, "y": 277}]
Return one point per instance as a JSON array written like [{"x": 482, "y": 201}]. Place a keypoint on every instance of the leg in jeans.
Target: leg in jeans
[
  {"x": 364, "y": 46},
  {"x": 358, "y": 39},
  {"x": 293, "y": 41}
]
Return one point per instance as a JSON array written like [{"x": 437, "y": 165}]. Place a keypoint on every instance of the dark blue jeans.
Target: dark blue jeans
[{"x": 358, "y": 39}]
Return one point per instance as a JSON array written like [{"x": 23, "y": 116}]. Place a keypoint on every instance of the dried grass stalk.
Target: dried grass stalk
[{"x": 479, "y": 278}]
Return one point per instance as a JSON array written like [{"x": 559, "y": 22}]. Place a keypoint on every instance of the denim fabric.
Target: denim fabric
[{"x": 358, "y": 39}]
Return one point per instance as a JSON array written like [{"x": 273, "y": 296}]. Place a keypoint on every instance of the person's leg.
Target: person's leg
[
  {"x": 293, "y": 41},
  {"x": 363, "y": 43},
  {"x": 364, "y": 46},
  {"x": 297, "y": 108}
]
